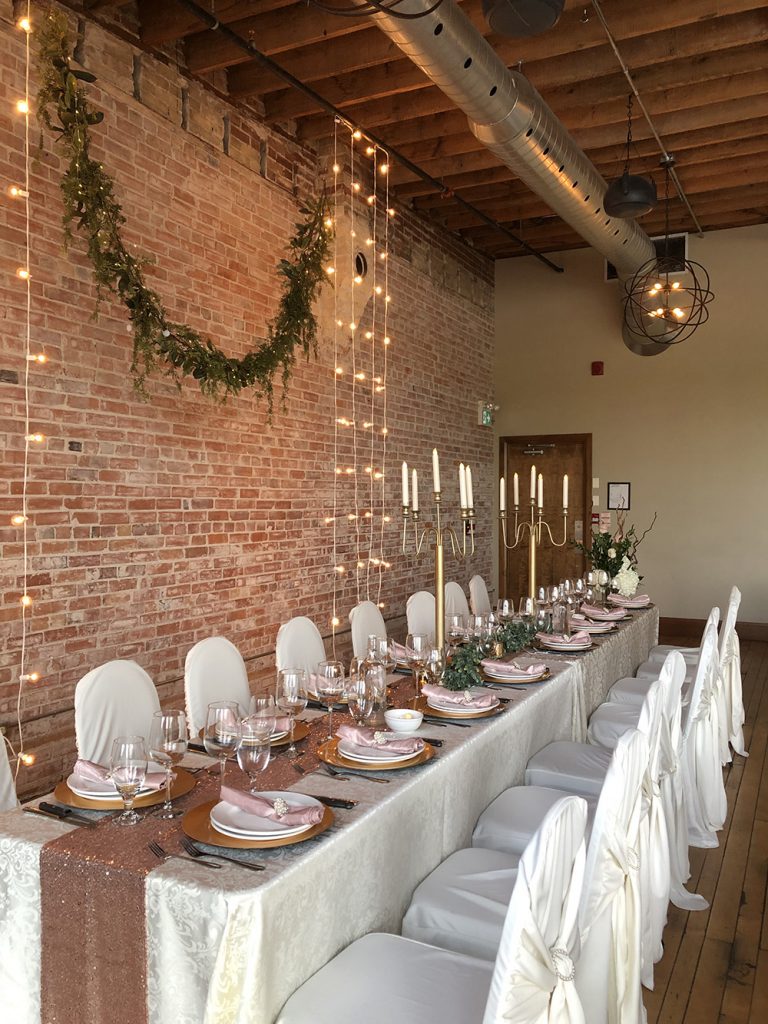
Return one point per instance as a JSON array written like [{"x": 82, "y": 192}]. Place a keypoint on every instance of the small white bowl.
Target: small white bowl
[{"x": 403, "y": 720}]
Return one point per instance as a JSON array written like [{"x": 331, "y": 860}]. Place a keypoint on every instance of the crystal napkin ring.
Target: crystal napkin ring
[{"x": 281, "y": 807}]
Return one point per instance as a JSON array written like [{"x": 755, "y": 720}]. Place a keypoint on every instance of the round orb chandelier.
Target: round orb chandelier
[
  {"x": 668, "y": 298},
  {"x": 666, "y": 301}
]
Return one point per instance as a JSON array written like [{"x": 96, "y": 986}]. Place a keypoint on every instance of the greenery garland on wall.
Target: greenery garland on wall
[{"x": 90, "y": 206}]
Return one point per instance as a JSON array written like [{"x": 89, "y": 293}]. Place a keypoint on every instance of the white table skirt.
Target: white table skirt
[{"x": 231, "y": 948}]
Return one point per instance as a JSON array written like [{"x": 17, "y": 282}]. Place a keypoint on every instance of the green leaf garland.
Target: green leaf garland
[
  {"x": 90, "y": 207},
  {"x": 463, "y": 670}
]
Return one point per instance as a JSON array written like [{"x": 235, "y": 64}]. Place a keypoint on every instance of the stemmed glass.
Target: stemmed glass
[
  {"x": 222, "y": 731},
  {"x": 167, "y": 746},
  {"x": 455, "y": 629},
  {"x": 505, "y": 608},
  {"x": 253, "y": 749},
  {"x": 382, "y": 651},
  {"x": 329, "y": 682},
  {"x": 361, "y": 690},
  {"x": 128, "y": 770},
  {"x": 263, "y": 714},
  {"x": 435, "y": 665},
  {"x": 292, "y": 698},
  {"x": 417, "y": 645}
]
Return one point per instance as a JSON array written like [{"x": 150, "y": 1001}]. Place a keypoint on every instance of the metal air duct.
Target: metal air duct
[{"x": 511, "y": 119}]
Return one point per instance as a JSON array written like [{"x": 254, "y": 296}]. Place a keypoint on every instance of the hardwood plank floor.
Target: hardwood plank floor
[{"x": 715, "y": 964}]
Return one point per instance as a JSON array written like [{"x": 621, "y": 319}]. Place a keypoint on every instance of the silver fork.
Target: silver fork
[
  {"x": 193, "y": 852},
  {"x": 351, "y": 775},
  {"x": 162, "y": 854}
]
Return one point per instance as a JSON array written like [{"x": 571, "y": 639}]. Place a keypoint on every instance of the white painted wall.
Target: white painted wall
[{"x": 688, "y": 428}]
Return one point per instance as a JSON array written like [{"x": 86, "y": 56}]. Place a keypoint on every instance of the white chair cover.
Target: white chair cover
[
  {"x": 116, "y": 699},
  {"x": 608, "y": 975},
  {"x": 509, "y": 822},
  {"x": 730, "y": 671},
  {"x": 702, "y": 772},
  {"x": 213, "y": 670},
  {"x": 690, "y": 654},
  {"x": 299, "y": 644},
  {"x": 8, "y": 798},
  {"x": 365, "y": 620},
  {"x": 534, "y": 974},
  {"x": 478, "y": 596},
  {"x": 456, "y": 600},
  {"x": 575, "y": 767},
  {"x": 420, "y": 613}
]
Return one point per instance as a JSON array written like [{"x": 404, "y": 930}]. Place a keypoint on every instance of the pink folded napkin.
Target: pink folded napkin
[
  {"x": 89, "y": 771},
  {"x": 459, "y": 697},
  {"x": 582, "y": 620},
  {"x": 276, "y": 810},
  {"x": 602, "y": 613},
  {"x": 638, "y": 601},
  {"x": 503, "y": 668},
  {"x": 363, "y": 737},
  {"x": 401, "y": 652},
  {"x": 282, "y": 724},
  {"x": 575, "y": 640}
]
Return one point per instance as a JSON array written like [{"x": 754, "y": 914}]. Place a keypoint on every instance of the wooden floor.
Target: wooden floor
[{"x": 715, "y": 964}]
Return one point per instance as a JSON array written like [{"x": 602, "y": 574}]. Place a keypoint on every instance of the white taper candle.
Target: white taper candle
[
  {"x": 415, "y": 490},
  {"x": 502, "y": 495},
  {"x": 533, "y": 483},
  {"x": 541, "y": 491},
  {"x": 462, "y": 486},
  {"x": 516, "y": 490},
  {"x": 470, "y": 495},
  {"x": 565, "y": 491},
  {"x": 405, "y": 484},
  {"x": 435, "y": 471}
]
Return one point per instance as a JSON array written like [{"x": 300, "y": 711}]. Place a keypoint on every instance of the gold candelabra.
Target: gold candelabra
[
  {"x": 536, "y": 527},
  {"x": 438, "y": 531}
]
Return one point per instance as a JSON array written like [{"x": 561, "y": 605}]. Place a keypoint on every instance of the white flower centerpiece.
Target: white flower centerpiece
[{"x": 626, "y": 579}]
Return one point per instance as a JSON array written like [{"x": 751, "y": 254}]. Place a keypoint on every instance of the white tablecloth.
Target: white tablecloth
[{"x": 229, "y": 947}]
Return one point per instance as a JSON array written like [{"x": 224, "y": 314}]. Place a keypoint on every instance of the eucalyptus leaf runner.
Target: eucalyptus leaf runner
[{"x": 90, "y": 207}]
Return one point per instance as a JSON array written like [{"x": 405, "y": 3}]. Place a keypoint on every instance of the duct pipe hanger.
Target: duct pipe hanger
[
  {"x": 667, "y": 160},
  {"x": 212, "y": 22}
]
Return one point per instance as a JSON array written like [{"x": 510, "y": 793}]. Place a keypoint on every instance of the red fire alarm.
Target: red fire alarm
[{"x": 598, "y": 369}]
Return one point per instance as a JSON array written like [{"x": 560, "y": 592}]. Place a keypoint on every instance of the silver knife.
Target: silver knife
[{"x": 73, "y": 819}]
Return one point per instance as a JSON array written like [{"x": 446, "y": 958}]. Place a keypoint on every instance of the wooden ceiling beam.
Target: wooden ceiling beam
[
  {"x": 463, "y": 153},
  {"x": 312, "y": 64},
  {"x": 652, "y": 82},
  {"x": 656, "y": 48},
  {"x": 163, "y": 22}
]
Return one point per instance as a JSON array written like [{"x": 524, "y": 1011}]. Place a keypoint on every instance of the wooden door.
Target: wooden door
[{"x": 552, "y": 455}]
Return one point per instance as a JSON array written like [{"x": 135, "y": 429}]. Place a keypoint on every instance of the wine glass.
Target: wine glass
[
  {"x": 360, "y": 693},
  {"x": 455, "y": 629},
  {"x": 382, "y": 651},
  {"x": 476, "y": 625},
  {"x": 263, "y": 713},
  {"x": 128, "y": 770},
  {"x": 167, "y": 746},
  {"x": 504, "y": 608},
  {"x": 253, "y": 749},
  {"x": 527, "y": 609},
  {"x": 222, "y": 731},
  {"x": 292, "y": 698},
  {"x": 417, "y": 645},
  {"x": 435, "y": 665},
  {"x": 329, "y": 682}
]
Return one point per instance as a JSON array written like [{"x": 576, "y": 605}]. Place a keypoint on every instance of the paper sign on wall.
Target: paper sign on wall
[
  {"x": 578, "y": 531},
  {"x": 605, "y": 522}
]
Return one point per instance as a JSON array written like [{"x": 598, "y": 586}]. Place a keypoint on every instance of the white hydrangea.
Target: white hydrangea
[
  {"x": 611, "y": 552},
  {"x": 626, "y": 579}
]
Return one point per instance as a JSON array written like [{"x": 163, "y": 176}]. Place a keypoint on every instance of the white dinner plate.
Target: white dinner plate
[
  {"x": 278, "y": 735},
  {"x": 233, "y": 821},
  {"x": 513, "y": 677},
  {"x": 459, "y": 709},
  {"x": 608, "y": 616},
  {"x": 594, "y": 627},
  {"x": 565, "y": 647},
  {"x": 370, "y": 754},
  {"x": 94, "y": 789}
]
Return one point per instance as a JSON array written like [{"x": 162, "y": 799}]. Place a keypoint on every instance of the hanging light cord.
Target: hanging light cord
[{"x": 666, "y": 158}]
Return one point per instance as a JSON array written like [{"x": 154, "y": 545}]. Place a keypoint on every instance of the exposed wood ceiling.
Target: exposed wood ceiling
[{"x": 700, "y": 65}]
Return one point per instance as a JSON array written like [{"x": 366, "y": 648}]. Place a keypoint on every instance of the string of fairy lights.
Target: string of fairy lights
[
  {"x": 361, "y": 331},
  {"x": 32, "y": 438}
]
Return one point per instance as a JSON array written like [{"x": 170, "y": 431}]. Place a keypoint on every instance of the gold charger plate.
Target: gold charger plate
[
  {"x": 182, "y": 784},
  {"x": 516, "y": 681},
  {"x": 421, "y": 705},
  {"x": 300, "y": 732},
  {"x": 197, "y": 825},
  {"x": 329, "y": 753}
]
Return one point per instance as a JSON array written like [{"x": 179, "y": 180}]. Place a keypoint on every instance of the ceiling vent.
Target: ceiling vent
[{"x": 522, "y": 17}]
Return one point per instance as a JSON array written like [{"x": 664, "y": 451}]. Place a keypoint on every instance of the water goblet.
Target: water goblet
[
  {"x": 253, "y": 749},
  {"x": 435, "y": 665},
  {"x": 361, "y": 692},
  {"x": 456, "y": 629},
  {"x": 292, "y": 699},
  {"x": 329, "y": 682},
  {"x": 128, "y": 770},
  {"x": 222, "y": 731},
  {"x": 417, "y": 645},
  {"x": 168, "y": 745},
  {"x": 263, "y": 712},
  {"x": 527, "y": 609}
]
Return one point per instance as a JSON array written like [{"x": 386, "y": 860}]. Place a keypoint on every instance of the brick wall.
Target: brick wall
[{"x": 179, "y": 518}]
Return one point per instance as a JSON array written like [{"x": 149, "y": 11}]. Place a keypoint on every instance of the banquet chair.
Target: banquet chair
[
  {"x": 299, "y": 644},
  {"x": 365, "y": 620},
  {"x": 690, "y": 655},
  {"x": 8, "y": 798},
  {"x": 388, "y": 979},
  {"x": 420, "y": 613},
  {"x": 456, "y": 600},
  {"x": 116, "y": 699},
  {"x": 478, "y": 596},
  {"x": 213, "y": 670},
  {"x": 462, "y": 904}
]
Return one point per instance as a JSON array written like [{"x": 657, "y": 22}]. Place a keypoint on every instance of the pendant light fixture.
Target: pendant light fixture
[
  {"x": 668, "y": 298},
  {"x": 630, "y": 196}
]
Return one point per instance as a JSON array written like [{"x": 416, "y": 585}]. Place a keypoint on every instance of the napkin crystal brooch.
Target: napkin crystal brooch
[
  {"x": 281, "y": 807},
  {"x": 380, "y": 737},
  {"x": 467, "y": 696}
]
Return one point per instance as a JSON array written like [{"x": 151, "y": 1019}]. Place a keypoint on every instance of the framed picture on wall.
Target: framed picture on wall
[{"x": 618, "y": 496}]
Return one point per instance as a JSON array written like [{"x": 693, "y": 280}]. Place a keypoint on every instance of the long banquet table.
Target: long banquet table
[{"x": 229, "y": 946}]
